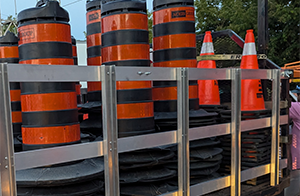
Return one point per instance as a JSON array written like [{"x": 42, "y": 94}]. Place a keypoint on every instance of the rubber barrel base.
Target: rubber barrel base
[
  {"x": 90, "y": 188},
  {"x": 62, "y": 175}
]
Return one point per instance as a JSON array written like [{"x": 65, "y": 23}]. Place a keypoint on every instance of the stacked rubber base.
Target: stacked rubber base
[
  {"x": 167, "y": 121},
  {"x": 79, "y": 178},
  {"x": 256, "y": 149}
]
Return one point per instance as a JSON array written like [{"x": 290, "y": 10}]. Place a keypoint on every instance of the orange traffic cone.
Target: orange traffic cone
[
  {"x": 208, "y": 92},
  {"x": 252, "y": 94}
]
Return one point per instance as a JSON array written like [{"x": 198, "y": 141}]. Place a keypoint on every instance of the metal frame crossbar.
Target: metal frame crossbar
[{"x": 111, "y": 145}]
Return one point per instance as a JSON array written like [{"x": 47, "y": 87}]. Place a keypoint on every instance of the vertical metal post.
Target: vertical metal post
[
  {"x": 235, "y": 178},
  {"x": 7, "y": 168},
  {"x": 182, "y": 132},
  {"x": 110, "y": 130},
  {"x": 275, "y": 127}
]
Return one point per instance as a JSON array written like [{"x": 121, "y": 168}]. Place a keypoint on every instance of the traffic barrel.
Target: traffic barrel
[
  {"x": 252, "y": 93},
  {"x": 93, "y": 39},
  {"x": 49, "y": 110},
  {"x": 174, "y": 45},
  {"x": 9, "y": 53},
  {"x": 125, "y": 42},
  {"x": 75, "y": 58},
  {"x": 74, "y": 50},
  {"x": 208, "y": 90}
]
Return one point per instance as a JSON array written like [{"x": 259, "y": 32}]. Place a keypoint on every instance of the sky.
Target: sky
[{"x": 76, "y": 9}]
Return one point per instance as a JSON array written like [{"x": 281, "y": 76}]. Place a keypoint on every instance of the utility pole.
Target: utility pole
[{"x": 263, "y": 32}]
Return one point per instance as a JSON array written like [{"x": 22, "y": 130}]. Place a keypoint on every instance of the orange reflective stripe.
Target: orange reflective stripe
[
  {"x": 124, "y": 21},
  {"x": 44, "y": 33},
  {"x": 94, "y": 61},
  {"x": 179, "y": 63},
  {"x": 51, "y": 135},
  {"x": 15, "y": 95},
  {"x": 174, "y": 41},
  {"x": 49, "y": 102},
  {"x": 94, "y": 86},
  {"x": 16, "y": 117},
  {"x": 85, "y": 116},
  {"x": 78, "y": 90},
  {"x": 93, "y": 40},
  {"x": 93, "y": 17},
  {"x": 50, "y": 61},
  {"x": 9, "y": 52},
  {"x": 125, "y": 52},
  {"x": 135, "y": 110},
  {"x": 173, "y": 15},
  {"x": 74, "y": 50},
  {"x": 170, "y": 93},
  {"x": 133, "y": 85}
]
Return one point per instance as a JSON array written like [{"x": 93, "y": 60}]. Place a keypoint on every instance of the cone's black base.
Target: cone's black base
[
  {"x": 166, "y": 121},
  {"x": 213, "y": 108},
  {"x": 255, "y": 149},
  {"x": 147, "y": 189},
  {"x": 91, "y": 107},
  {"x": 61, "y": 175},
  {"x": 146, "y": 175},
  {"x": 144, "y": 158},
  {"x": 90, "y": 188},
  {"x": 246, "y": 115}
]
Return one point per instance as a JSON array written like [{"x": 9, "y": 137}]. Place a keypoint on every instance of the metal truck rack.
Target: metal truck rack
[{"x": 111, "y": 145}]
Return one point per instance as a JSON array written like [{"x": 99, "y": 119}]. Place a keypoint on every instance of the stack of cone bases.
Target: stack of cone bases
[
  {"x": 208, "y": 90},
  {"x": 252, "y": 99}
]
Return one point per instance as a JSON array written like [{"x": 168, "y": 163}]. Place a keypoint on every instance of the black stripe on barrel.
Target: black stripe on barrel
[
  {"x": 174, "y": 45},
  {"x": 125, "y": 42},
  {"x": 53, "y": 120}
]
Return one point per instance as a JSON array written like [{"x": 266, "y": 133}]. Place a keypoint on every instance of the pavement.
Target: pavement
[{"x": 294, "y": 188}]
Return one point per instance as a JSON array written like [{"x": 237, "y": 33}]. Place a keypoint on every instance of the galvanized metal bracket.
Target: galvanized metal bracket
[
  {"x": 286, "y": 139},
  {"x": 110, "y": 130},
  {"x": 287, "y": 74},
  {"x": 7, "y": 165},
  {"x": 183, "y": 132}
]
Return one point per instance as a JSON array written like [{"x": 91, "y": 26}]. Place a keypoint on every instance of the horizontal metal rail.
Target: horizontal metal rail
[
  {"x": 224, "y": 182},
  {"x": 45, "y": 73},
  {"x": 51, "y": 156}
]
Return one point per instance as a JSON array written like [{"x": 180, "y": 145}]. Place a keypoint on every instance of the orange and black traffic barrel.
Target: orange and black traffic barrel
[
  {"x": 9, "y": 54},
  {"x": 74, "y": 51},
  {"x": 125, "y": 43},
  {"x": 174, "y": 45},
  {"x": 93, "y": 39},
  {"x": 49, "y": 109}
]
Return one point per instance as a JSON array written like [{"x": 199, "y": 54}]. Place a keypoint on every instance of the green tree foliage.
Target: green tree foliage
[
  {"x": 150, "y": 23},
  {"x": 10, "y": 23},
  {"x": 240, "y": 15}
]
